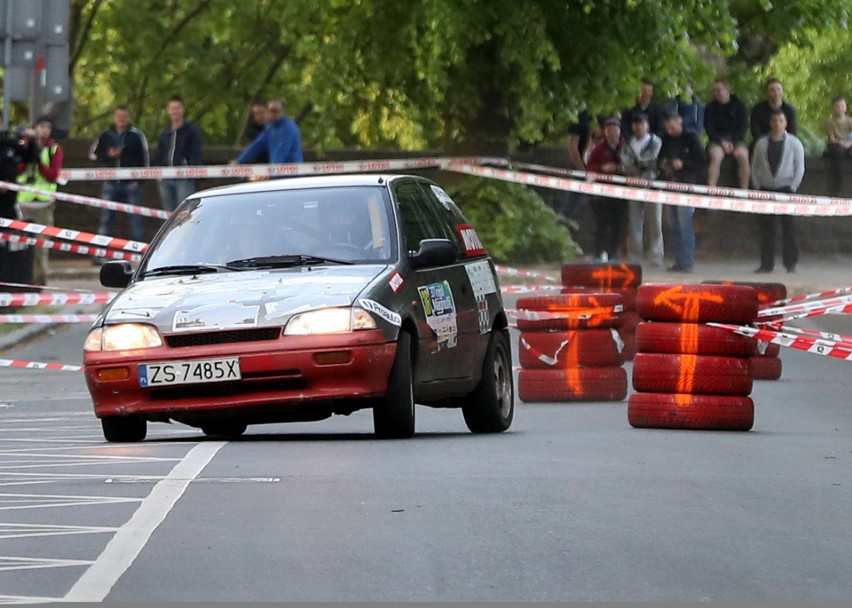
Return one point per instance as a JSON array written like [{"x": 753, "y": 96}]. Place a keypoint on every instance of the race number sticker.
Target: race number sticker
[
  {"x": 377, "y": 309},
  {"x": 440, "y": 310},
  {"x": 472, "y": 245},
  {"x": 482, "y": 283}
]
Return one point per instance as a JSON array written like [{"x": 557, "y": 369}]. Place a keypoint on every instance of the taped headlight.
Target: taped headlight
[
  {"x": 329, "y": 321},
  {"x": 124, "y": 336}
]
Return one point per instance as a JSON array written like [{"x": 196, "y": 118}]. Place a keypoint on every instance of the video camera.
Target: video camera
[{"x": 16, "y": 149}]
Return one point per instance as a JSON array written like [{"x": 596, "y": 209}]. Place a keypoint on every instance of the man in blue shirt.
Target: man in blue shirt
[{"x": 280, "y": 138}]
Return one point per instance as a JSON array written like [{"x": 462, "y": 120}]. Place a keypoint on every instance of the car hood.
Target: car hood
[{"x": 238, "y": 300}]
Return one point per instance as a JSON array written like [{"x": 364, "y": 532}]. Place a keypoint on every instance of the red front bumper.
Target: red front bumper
[{"x": 289, "y": 370}]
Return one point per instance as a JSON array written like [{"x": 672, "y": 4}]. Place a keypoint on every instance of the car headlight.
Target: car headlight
[
  {"x": 329, "y": 321},
  {"x": 124, "y": 336}
]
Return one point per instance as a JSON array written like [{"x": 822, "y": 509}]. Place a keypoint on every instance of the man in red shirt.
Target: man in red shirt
[{"x": 610, "y": 214}]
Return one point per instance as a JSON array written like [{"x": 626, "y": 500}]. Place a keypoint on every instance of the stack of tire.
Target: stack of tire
[
  {"x": 766, "y": 360},
  {"x": 686, "y": 374},
  {"x": 569, "y": 348},
  {"x": 622, "y": 279}
]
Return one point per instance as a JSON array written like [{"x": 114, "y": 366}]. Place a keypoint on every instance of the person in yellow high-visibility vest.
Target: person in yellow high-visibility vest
[{"x": 43, "y": 174}]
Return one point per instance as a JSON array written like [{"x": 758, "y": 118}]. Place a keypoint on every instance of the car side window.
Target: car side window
[
  {"x": 417, "y": 218},
  {"x": 451, "y": 216}
]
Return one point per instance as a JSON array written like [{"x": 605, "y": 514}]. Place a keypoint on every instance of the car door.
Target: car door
[{"x": 436, "y": 292}]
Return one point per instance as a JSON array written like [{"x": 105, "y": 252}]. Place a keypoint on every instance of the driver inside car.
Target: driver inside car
[{"x": 347, "y": 225}]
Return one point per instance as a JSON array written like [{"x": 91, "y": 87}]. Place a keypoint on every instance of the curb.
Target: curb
[{"x": 22, "y": 335}]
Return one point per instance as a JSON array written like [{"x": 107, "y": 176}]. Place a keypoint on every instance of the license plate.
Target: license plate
[{"x": 189, "y": 372}]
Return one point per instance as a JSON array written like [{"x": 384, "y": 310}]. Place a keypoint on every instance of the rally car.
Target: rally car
[{"x": 296, "y": 299}]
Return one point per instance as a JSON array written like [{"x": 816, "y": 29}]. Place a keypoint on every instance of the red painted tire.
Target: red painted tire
[
  {"x": 578, "y": 311},
  {"x": 691, "y": 303},
  {"x": 630, "y": 348},
  {"x": 579, "y": 384},
  {"x": 766, "y": 368},
  {"x": 577, "y": 348},
  {"x": 767, "y": 349},
  {"x": 602, "y": 275},
  {"x": 698, "y": 374},
  {"x": 628, "y": 294},
  {"x": 767, "y": 293},
  {"x": 692, "y": 339},
  {"x": 692, "y": 412},
  {"x": 627, "y": 331}
]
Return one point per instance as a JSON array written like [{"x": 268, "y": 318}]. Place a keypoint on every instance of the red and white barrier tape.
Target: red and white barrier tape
[
  {"x": 516, "y": 272},
  {"x": 97, "y": 252},
  {"x": 42, "y": 287},
  {"x": 807, "y": 297},
  {"x": 55, "y": 299},
  {"x": 817, "y": 346},
  {"x": 758, "y": 195},
  {"x": 809, "y": 332},
  {"x": 89, "y": 201},
  {"x": 581, "y": 313},
  {"x": 281, "y": 170},
  {"x": 82, "y": 318},
  {"x": 522, "y": 289},
  {"x": 60, "y": 367},
  {"x": 74, "y": 235},
  {"x": 815, "y": 305},
  {"x": 839, "y": 207}
]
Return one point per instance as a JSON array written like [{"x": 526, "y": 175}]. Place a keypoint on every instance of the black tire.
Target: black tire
[
  {"x": 393, "y": 414},
  {"x": 124, "y": 429},
  {"x": 225, "y": 430},
  {"x": 491, "y": 407}
]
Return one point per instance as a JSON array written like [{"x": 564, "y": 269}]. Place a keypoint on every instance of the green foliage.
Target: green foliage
[{"x": 513, "y": 222}]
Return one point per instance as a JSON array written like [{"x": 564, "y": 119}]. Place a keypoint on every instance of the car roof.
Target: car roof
[{"x": 297, "y": 183}]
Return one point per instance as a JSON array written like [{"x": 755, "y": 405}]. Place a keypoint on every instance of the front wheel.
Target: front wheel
[
  {"x": 124, "y": 429},
  {"x": 490, "y": 408},
  {"x": 393, "y": 414}
]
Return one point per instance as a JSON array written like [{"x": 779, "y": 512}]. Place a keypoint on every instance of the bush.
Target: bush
[{"x": 514, "y": 223}]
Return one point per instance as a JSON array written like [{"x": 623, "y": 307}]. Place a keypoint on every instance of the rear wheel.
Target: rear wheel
[
  {"x": 124, "y": 429},
  {"x": 228, "y": 430},
  {"x": 393, "y": 414},
  {"x": 491, "y": 407}
]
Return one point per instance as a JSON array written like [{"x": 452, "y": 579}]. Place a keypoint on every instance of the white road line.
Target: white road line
[
  {"x": 127, "y": 544},
  {"x": 27, "y": 599},
  {"x": 19, "y": 530}
]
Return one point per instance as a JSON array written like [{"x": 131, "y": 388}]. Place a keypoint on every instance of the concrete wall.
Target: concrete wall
[{"x": 719, "y": 234}]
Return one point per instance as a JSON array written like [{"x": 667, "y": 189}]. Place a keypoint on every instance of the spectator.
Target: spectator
[
  {"x": 179, "y": 144},
  {"x": 646, "y": 105},
  {"x": 762, "y": 111},
  {"x": 121, "y": 145},
  {"x": 257, "y": 120},
  {"x": 569, "y": 204},
  {"x": 838, "y": 131},
  {"x": 778, "y": 166},
  {"x": 726, "y": 123},
  {"x": 681, "y": 160},
  {"x": 639, "y": 159},
  {"x": 41, "y": 173},
  {"x": 280, "y": 138},
  {"x": 690, "y": 108},
  {"x": 609, "y": 213}
]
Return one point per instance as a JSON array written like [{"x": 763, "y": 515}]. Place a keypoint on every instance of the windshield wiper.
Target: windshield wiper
[
  {"x": 283, "y": 261},
  {"x": 185, "y": 269}
]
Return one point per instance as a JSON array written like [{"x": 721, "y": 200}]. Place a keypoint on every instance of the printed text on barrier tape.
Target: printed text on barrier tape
[
  {"x": 760, "y": 195},
  {"x": 522, "y": 289},
  {"x": 826, "y": 348},
  {"x": 98, "y": 252},
  {"x": 285, "y": 169},
  {"x": 806, "y": 307},
  {"x": 808, "y": 297},
  {"x": 516, "y": 272},
  {"x": 74, "y": 235},
  {"x": 54, "y": 299},
  {"x": 831, "y": 310},
  {"x": 656, "y": 196},
  {"x": 61, "y": 367},
  {"x": 809, "y": 332},
  {"x": 90, "y": 201},
  {"x": 48, "y": 318}
]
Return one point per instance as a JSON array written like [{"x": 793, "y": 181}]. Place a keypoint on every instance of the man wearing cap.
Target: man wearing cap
[
  {"x": 639, "y": 159},
  {"x": 609, "y": 212},
  {"x": 681, "y": 159},
  {"x": 42, "y": 173}
]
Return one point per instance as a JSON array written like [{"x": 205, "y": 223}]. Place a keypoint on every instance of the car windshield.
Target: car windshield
[{"x": 275, "y": 229}]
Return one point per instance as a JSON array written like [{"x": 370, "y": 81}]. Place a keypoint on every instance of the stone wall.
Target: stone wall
[{"x": 719, "y": 234}]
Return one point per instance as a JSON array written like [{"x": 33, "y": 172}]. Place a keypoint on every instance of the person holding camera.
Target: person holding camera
[{"x": 41, "y": 172}]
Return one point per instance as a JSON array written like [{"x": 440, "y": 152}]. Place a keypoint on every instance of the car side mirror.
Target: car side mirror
[
  {"x": 116, "y": 274},
  {"x": 434, "y": 252}
]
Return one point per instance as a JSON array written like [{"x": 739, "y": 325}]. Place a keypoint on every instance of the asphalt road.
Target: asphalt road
[{"x": 571, "y": 505}]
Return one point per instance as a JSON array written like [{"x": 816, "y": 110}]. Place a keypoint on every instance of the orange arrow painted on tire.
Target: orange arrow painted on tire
[
  {"x": 607, "y": 276},
  {"x": 687, "y": 305}
]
